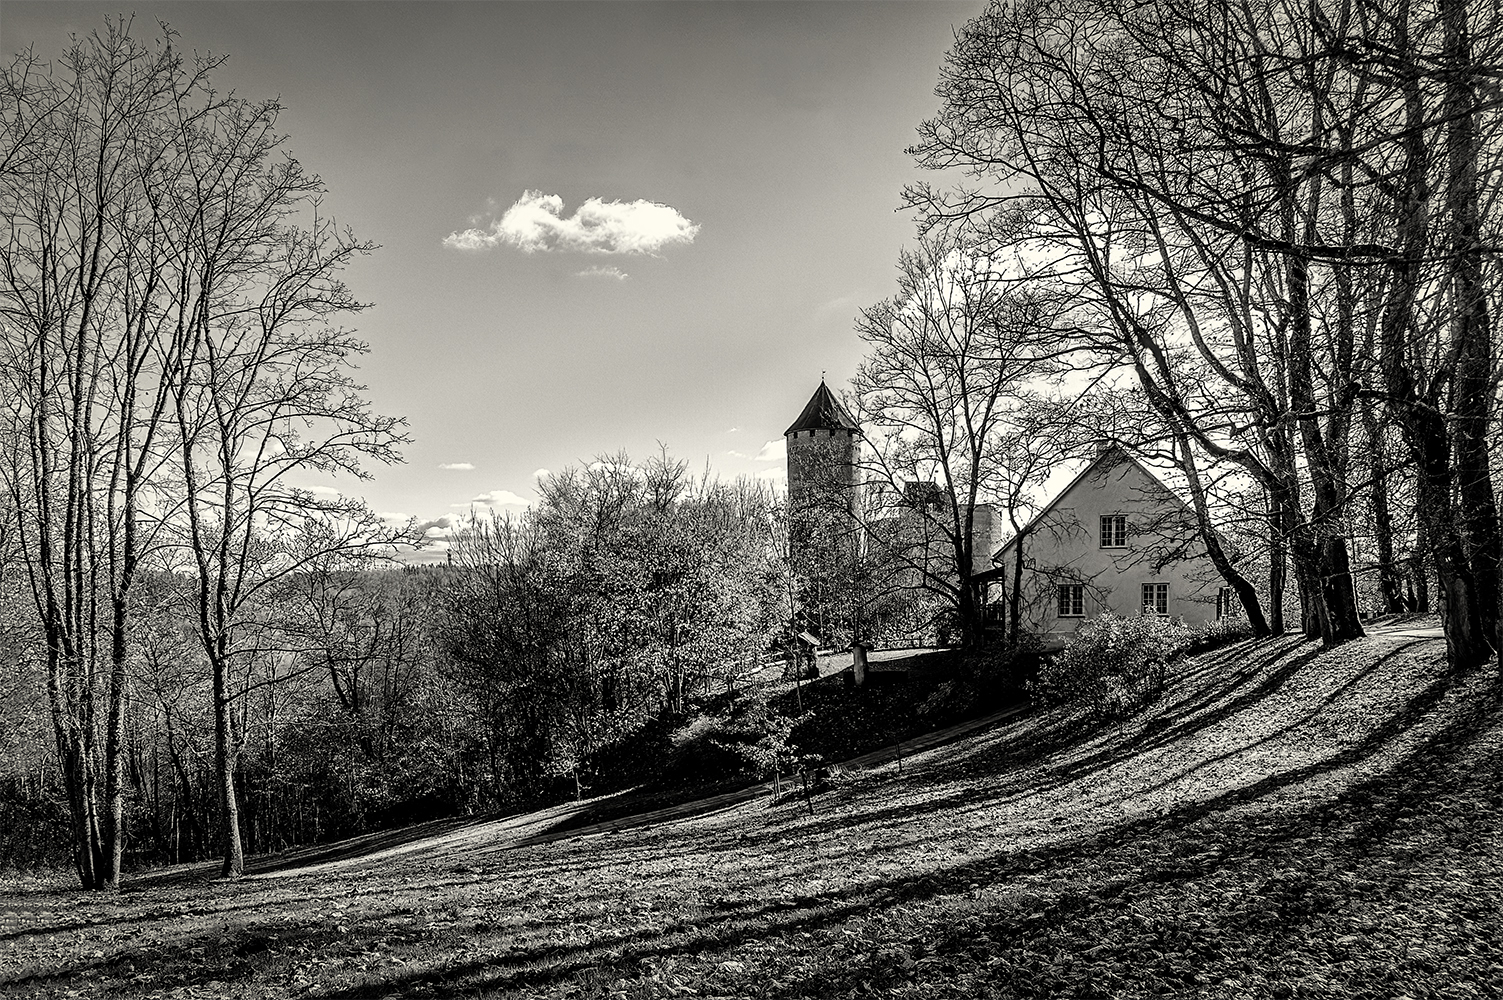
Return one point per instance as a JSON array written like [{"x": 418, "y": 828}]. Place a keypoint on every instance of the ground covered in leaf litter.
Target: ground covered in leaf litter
[{"x": 1286, "y": 823}]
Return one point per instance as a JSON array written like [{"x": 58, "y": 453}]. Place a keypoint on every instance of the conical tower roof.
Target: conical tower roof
[{"x": 823, "y": 412}]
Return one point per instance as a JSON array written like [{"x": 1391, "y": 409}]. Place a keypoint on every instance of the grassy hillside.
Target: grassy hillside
[{"x": 1286, "y": 823}]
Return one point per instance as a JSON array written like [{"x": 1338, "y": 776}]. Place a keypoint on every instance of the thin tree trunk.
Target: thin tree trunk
[
  {"x": 1246, "y": 592},
  {"x": 1390, "y": 580},
  {"x": 1015, "y": 598},
  {"x": 1278, "y": 564},
  {"x": 1419, "y": 576},
  {"x": 113, "y": 846},
  {"x": 224, "y": 762}
]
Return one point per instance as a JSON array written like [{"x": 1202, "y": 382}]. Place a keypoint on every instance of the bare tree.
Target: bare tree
[
  {"x": 1236, "y": 190},
  {"x": 265, "y": 390},
  {"x": 941, "y": 390},
  {"x": 86, "y": 352}
]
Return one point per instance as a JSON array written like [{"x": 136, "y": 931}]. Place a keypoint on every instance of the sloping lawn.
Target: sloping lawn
[{"x": 1286, "y": 823}]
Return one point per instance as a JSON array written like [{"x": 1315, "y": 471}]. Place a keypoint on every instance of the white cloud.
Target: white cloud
[
  {"x": 774, "y": 473},
  {"x": 604, "y": 272},
  {"x": 500, "y": 498},
  {"x": 843, "y": 304},
  {"x": 775, "y": 450},
  {"x": 322, "y": 489},
  {"x": 438, "y": 527},
  {"x": 540, "y": 473},
  {"x": 733, "y": 430},
  {"x": 629, "y": 470},
  {"x": 457, "y": 466},
  {"x": 536, "y": 222},
  {"x": 737, "y": 454}
]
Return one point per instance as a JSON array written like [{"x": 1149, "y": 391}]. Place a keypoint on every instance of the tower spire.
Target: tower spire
[{"x": 823, "y": 412}]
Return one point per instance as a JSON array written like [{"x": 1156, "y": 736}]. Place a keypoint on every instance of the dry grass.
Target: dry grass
[{"x": 1285, "y": 823}]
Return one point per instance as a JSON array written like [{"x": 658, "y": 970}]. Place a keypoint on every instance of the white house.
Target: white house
[{"x": 1115, "y": 539}]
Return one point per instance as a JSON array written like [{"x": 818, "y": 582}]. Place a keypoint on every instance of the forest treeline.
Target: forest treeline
[{"x": 365, "y": 695}]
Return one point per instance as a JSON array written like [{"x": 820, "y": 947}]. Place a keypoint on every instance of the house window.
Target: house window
[
  {"x": 1072, "y": 600},
  {"x": 1113, "y": 531},
  {"x": 1155, "y": 598}
]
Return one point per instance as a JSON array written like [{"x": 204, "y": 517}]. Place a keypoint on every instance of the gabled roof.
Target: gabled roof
[
  {"x": 1111, "y": 455},
  {"x": 823, "y": 412}
]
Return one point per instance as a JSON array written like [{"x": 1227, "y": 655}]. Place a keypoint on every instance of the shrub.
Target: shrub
[
  {"x": 1001, "y": 666},
  {"x": 1215, "y": 634},
  {"x": 34, "y": 827},
  {"x": 746, "y": 739},
  {"x": 1115, "y": 665},
  {"x": 977, "y": 680}
]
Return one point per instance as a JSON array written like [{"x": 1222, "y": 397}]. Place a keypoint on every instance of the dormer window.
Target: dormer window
[{"x": 1114, "y": 531}]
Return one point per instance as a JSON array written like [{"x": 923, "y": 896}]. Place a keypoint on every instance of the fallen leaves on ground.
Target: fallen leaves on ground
[{"x": 1285, "y": 823}]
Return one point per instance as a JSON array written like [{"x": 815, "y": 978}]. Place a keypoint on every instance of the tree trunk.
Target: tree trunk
[
  {"x": 968, "y": 610},
  {"x": 1471, "y": 327},
  {"x": 1278, "y": 564},
  {"x": 113, "y": 846},
  {"x": 1315, "y": 623},
  {"x": 1467, "y": 644},
  {"x": 224, "y": 765},
  {"x": 1390, "y": 580},
  {"x": 1015, "y": 598},
  {"x": 1246, "y": 592},
  {"x": 1419, "y": 415},
  {"x": 1320, "y": 553}
]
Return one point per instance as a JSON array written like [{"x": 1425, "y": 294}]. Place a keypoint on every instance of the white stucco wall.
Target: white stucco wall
[{"x": 1064, "y": 546}]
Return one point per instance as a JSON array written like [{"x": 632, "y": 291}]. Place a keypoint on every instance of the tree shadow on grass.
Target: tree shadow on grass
[
  {"x": 364, "y": 845},
  {"x": 1181, "y": 843},
  {"x": 1200, "y": 708},
  {"x": 1009, "y": 757},
  {"x": 1285, "y": 730},
  {"x": 1428, "y": 770}
]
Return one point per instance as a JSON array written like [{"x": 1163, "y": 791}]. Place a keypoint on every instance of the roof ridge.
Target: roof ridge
[{"x": 1113, "y": 449}]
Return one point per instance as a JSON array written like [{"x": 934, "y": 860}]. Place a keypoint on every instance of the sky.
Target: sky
[{"x": 602, "y": 227}]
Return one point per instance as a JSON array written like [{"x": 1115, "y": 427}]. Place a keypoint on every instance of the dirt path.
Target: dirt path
[
  {"x": 1407, "y": 632},
  {"x": 1407, "y": 626}
]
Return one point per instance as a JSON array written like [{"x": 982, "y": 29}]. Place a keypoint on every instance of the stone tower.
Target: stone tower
[{"x": 824, "y": 478}]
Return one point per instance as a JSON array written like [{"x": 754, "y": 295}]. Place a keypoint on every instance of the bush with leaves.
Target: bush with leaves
[
  {"x": 746, "y": 738},
  {"x": 980, "y": 679},
  {"x": 1218, "y": 633},
  {"x": 1115, "y": 665}
]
